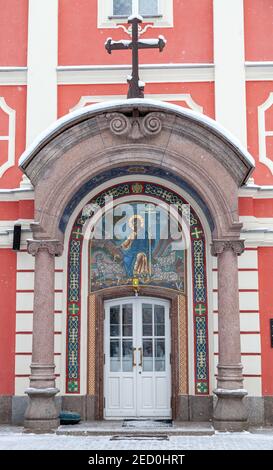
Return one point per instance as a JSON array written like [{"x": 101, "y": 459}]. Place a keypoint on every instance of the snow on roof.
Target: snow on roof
[{"x": 94, "y": 109}]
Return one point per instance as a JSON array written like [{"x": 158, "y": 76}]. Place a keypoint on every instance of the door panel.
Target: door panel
[
  {"x": 137, "y": 351},
  {"x": 154, "y": 390}
]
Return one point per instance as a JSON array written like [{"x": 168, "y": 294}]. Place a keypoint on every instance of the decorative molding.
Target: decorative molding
[
  {"x": 92, "y": 345},
  {"x": 183, "y": 97},
  {"x": 259, "y": 71},
  {"x": 7, "y": 229},
  {"x": 257, "y": 231},
  {"x": 219, "y": 246},
  {"x": 17, "y": 194},
  {"x": 54, "y": 247},
  {"x": 135, "y": 127},
  {"x": 13, "y": 76},
  {"x": 257, "y": 238},
  {"x": 256, "y": 191},
  {"x": 10, "y": 138},
  {"x": 128, "y": 30},
  {"x": 106, "y": 19},
  {"x": 263, "y": 133},
  {"x": 150, "y": 73},
  {"x": 183, "y": 345},
  {"x": 199, "y": 283}
]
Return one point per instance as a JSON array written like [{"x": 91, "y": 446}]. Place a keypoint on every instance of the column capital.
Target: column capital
[
  {"x": 54, "y": 247},
  {"x": 219, "y": 246}
]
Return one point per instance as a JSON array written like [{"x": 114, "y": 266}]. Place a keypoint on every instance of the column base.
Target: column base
[
  {"x": 230, "y": 413},
  {"x": 41, "y": 414}
]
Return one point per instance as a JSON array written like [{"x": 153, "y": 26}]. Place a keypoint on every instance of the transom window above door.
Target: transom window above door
[{"x": 125, "y": 8}]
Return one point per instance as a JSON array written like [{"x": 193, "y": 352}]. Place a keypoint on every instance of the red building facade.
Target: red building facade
[{"x": 218, "y": 62}]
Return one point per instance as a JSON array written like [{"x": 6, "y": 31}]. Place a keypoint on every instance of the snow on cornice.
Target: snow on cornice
[{"x": 89, "y": 111}]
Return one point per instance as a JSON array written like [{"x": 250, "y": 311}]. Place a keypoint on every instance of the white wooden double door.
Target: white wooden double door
[{"x": 137, "y": 371}]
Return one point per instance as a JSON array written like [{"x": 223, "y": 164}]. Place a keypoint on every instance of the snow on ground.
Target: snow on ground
[{"x": 11, "y": 440}]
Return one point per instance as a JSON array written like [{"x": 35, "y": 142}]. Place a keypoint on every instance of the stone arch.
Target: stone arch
[
  {"x": 199, "y": 299},
  {"x": 183, "y": 145},
  {"x": 174, "y": 139}
]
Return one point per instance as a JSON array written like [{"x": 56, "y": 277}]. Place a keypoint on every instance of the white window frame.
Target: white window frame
[
  {"x": 264, "y": 133},
  {"x": 10, "y": 138},
  {"x": 135, "y": 9},
  {"x": 164, "y": 19}
]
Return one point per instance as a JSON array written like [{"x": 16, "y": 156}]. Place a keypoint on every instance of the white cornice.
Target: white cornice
[
  {"x": 13, "y": 76},
  {"x": 256, "y": 191},
  {"x": 86, "y": 74},
  {"x": 259, "y": 71},
  {"x": 257, "y": 231},
  {"x": 17, "y": 194},
  {"x": 150, "y": 73},
  {"x": 7, "y": 228}
]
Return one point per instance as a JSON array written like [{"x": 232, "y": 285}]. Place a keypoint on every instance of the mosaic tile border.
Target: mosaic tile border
[{"x": 199, "y": 283}]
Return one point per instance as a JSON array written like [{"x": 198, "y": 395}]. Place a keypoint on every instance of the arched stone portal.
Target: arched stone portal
[
  {"x": 184, "y": 284},
  {"x": 74, "y": 156}
]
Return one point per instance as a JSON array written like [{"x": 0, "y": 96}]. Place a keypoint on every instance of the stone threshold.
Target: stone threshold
[{"x": 115, "y": 428}]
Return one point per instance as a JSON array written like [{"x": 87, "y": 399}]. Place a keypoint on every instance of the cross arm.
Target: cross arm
[
  {"x": 125, "y": 44},
  {"x": 159, "y": 43},
  {"x": 122, "y": 45}
]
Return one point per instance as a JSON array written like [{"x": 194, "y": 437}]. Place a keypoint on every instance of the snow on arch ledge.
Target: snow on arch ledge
[{"x": 87, "y": 112}]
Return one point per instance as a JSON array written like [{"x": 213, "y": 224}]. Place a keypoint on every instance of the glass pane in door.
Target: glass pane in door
[
  {"x": 127, "y": 338},
  {"x": 153, "y": 338},
  {"x": 159, "y": 320},
  {"x": 127, "y": 355},
  {"x": 115, "y": 361},
  {"x": 127, "y": 320},
  {"x": 147, "y": 320},
  {"x": 160, "y": 355},
  {"x": 115, "y": 321},
  {"x": 147, "y": 355},
  {"x": 121, "y": 338}
]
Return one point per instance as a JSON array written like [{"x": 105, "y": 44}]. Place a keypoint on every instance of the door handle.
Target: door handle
[
  {"x": 141, "y": 357},
  {"x": 134, "y": 357}
]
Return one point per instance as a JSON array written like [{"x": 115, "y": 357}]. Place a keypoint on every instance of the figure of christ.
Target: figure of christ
[{"x": 135, "y": 250}]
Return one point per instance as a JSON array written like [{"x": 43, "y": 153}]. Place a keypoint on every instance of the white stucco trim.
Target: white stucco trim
[
  {"x": 256, "y": 191},
  {"x": 6, "y": 232},
  {"x": 16, "y": 194},
  {"x": 264, "y": 133},
  {"x": 259, "y": 71},
  {"x": 150, "y": 73},
  {"x": 182, "y": 97},
  {"x": 13, "y": 76},
  {"x": 42, "y": 64},
  {"x": 257, "y": 231},
  {"x": 10, "y": 138},
  {"x": 229, "y": 58},
  {"x": 105, "y": 12}
]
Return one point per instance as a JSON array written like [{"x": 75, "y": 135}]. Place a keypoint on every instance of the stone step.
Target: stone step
[{"x": 115, "y": 428}]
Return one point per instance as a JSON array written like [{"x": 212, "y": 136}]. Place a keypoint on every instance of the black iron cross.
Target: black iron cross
[{"x": 136, "y": 88}]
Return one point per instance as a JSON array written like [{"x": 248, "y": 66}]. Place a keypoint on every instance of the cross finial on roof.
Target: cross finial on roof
[{"x": 136, "y": 87}]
